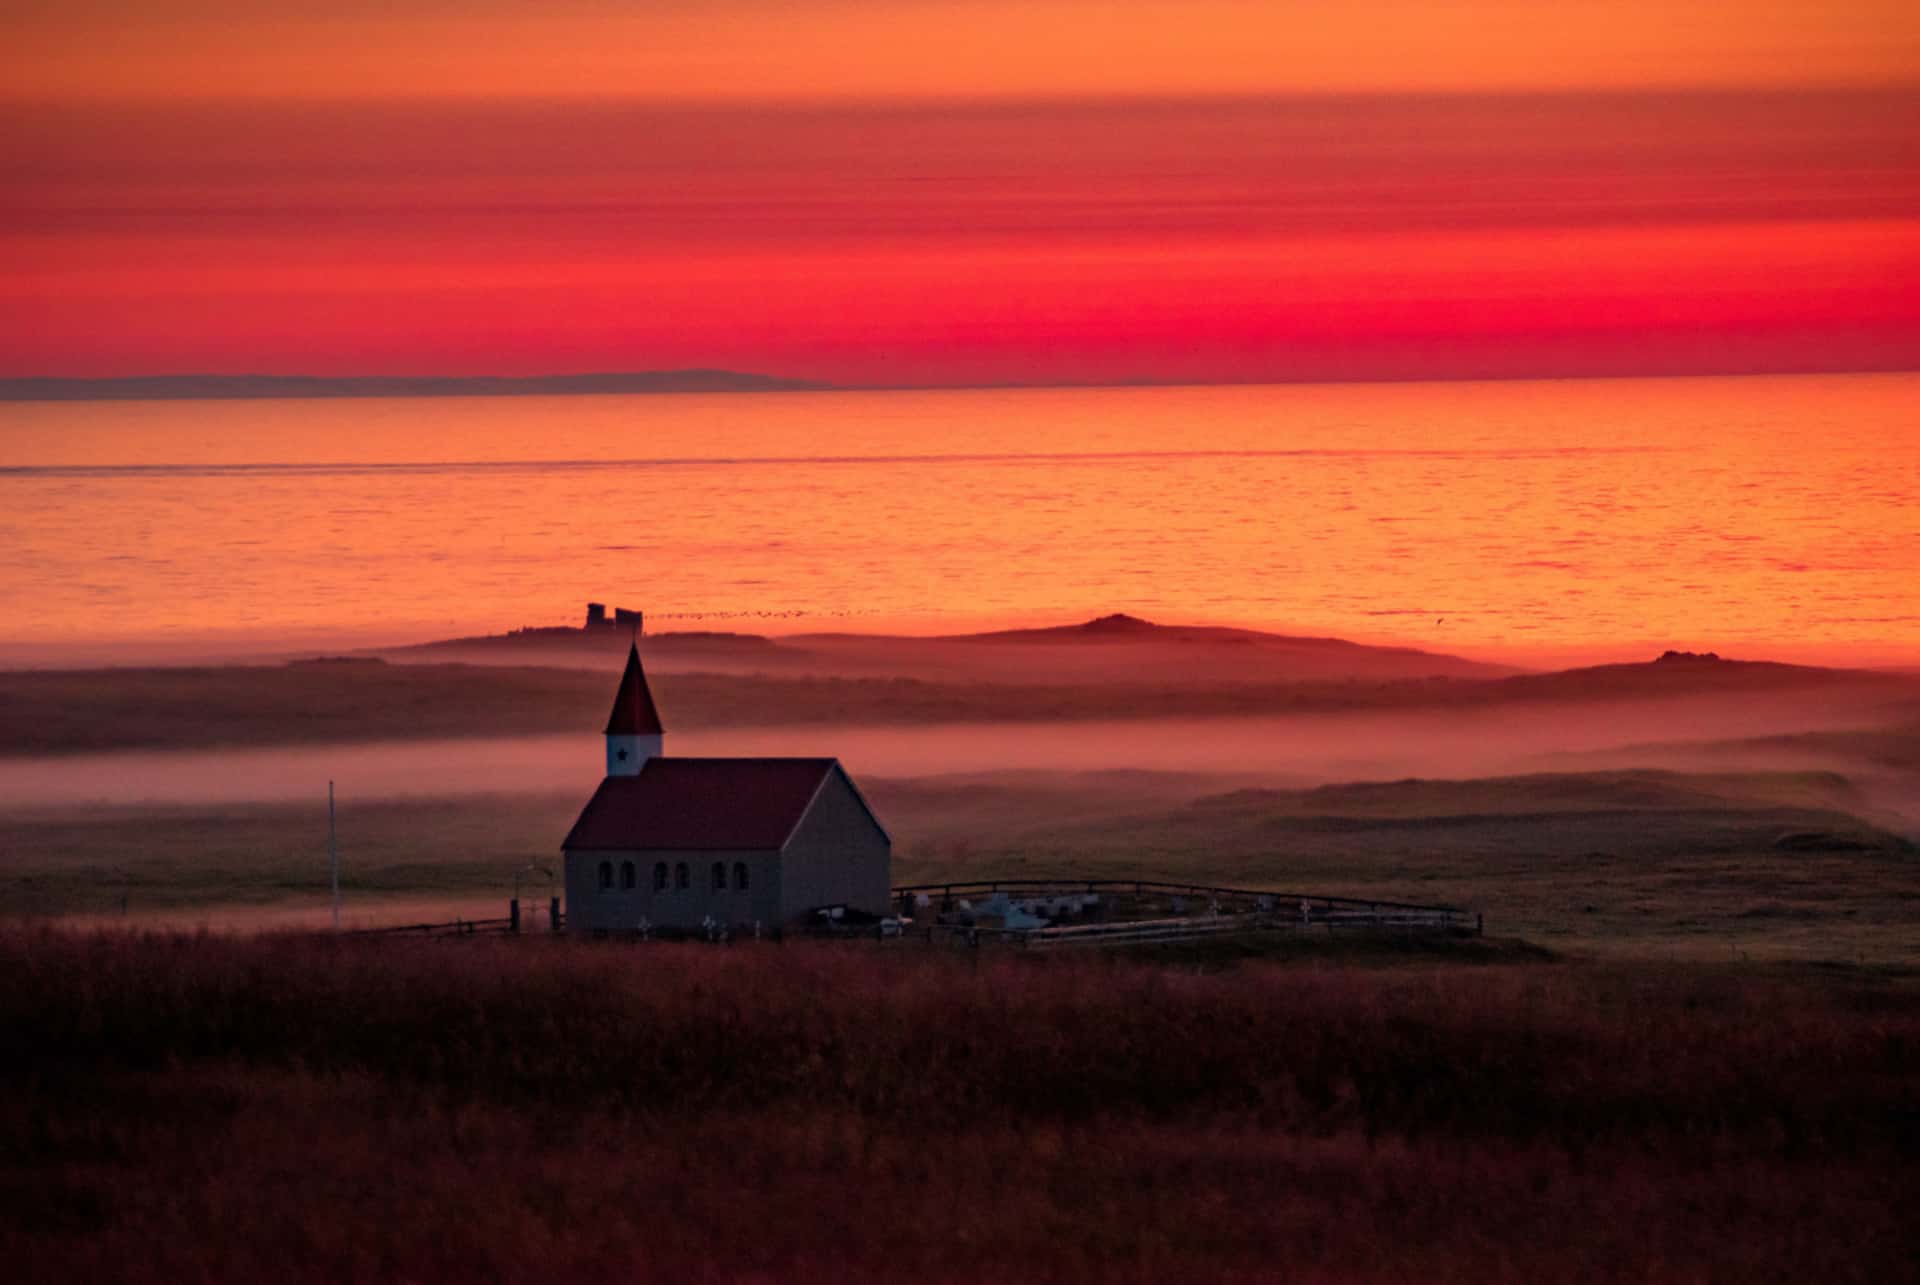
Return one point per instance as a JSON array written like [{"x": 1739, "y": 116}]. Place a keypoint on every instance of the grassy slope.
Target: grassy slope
[
  {"x": 1634, "y": 863},
  {"x": 82, "y": 711},
  {"x": 299, "y": 1109},
  {"x": 75, "y": 712},
  {"x": 1654, "y": 863}
]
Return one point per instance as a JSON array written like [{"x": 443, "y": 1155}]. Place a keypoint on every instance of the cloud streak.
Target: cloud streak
[
  {"x": 841, "y": 49},
  {"x": 1291, "y": 237}
]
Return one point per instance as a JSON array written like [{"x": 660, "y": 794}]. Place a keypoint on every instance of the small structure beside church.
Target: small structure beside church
[{"x": 684, "y": 844}]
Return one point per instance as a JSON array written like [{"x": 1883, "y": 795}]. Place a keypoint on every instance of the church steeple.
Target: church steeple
[{"x": 634, "y": 733}]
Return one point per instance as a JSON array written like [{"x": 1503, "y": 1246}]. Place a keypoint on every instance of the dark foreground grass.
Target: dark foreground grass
[{"x": 204, "y": 1108}]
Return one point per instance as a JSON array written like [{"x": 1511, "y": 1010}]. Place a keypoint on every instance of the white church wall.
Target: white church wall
[
  {"x": 621, "y": 911},
  {"x": 837, "y": 856}
]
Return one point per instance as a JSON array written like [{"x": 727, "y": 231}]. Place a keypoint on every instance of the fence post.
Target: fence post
[
  {"x": 1480, "y": 924},
  {"x": 553, "y": 914},
  {"x": 513, "y": 915}
]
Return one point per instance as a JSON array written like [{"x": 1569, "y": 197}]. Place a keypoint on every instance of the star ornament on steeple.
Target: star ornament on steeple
[{"x": 634, "y": 734}]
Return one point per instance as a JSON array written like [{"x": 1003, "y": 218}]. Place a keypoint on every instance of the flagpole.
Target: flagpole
[{"x": 333, "y": 858}]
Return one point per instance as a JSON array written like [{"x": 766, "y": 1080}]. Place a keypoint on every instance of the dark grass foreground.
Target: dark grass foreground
[{"x": 184, "y": 1109}]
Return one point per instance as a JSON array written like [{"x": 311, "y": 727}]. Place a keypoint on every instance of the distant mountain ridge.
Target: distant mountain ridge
[
  {"x": 1125, "y": 651},
  {"x": 1114, "y": 648},
  {"x": 1681, "y": 673},
  {"x": 1122, "y": 628},
  {"x": 215, "y": 387}
]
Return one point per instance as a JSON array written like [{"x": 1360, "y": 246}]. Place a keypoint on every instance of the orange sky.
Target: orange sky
[
  {"x": 787, "y": 49},
  {"x": 973, "y": 191}
]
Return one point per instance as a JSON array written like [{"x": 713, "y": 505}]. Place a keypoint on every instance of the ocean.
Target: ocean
[{"x": 1776, "y": 515}]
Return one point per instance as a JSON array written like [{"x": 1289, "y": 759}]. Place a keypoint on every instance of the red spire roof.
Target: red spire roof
[{"x": 633, "y": 712}]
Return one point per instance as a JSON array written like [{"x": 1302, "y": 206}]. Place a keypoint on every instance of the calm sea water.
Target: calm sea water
[{"x": 1780, "y": 514}]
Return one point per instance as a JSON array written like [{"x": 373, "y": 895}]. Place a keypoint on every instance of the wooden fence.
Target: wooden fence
[
  {"x": 1218, "y": 909},
  {"x": 1214, "y": 912},
  {"x": 451, "y": 928},
  {"x": 510, "y": 923}
]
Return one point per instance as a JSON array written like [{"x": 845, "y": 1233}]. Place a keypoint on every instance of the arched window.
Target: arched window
[
  {"x": 682, "y": 877},
  {"x": 719, "y": 876},
  {"x": 626, "y": 874},
  {"x": 739, "y": 876},
  {"x": 606, "y": 875},
  {"x": 659, "y": 876}
]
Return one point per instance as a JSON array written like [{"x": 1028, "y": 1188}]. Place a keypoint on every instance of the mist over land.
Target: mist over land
[
  {"x": 1323, "y": 697},
  {"x": 1672, "y": 800}
]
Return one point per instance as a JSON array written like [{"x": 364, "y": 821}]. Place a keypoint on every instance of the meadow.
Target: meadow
[
  {"x": 1628, "y": 863},
  {"x": 300, "y": 1108},
  {"x": 346, "y": 701},
  {"x": 359, "y": 699}
]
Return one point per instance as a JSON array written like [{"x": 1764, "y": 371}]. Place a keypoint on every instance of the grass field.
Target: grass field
[
  {"x": 220, "y": 1108},
  {"x": 1721, "y": 866},
  {"x": 74, "y": 712},
  {"x": 57, "y": 712}
]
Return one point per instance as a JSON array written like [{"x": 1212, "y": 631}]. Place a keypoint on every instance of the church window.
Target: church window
[
  {"x": 606, "y": 875},
  {"x": 719, "y": 876},
  {"x": 626, "y": 874},
  {"x": 739, "y": 876},
  {"x": 659, "y": 876},
  {"x": 682, "y": 877}
]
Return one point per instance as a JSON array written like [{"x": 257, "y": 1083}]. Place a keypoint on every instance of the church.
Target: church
[{"x": 749, "y": 844}]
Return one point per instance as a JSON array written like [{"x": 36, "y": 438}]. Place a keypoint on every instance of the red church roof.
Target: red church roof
[
  {"x": 704, "y": 804},
  {"x": 633, "y": 712}
]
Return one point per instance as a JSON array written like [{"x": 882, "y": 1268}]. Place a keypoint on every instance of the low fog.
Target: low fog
[{"x": 1285, "y": 750}]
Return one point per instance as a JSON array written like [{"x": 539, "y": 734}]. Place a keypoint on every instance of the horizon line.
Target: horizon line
[
  {"x": 983, "y": 99},
  {"x": 19, "y": 388}
]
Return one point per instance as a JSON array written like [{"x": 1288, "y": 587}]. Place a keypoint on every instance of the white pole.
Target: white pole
[{"x": 333, "y": 858}]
